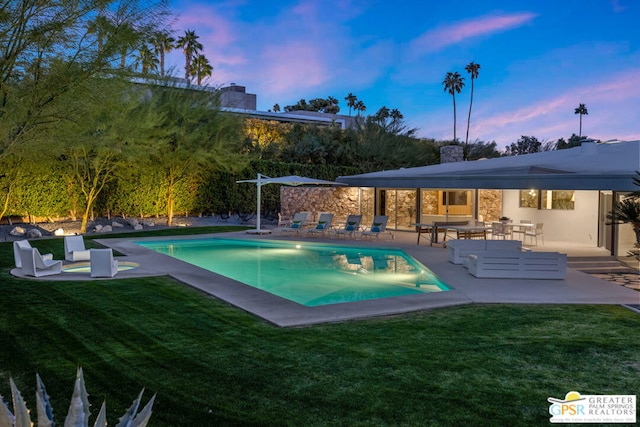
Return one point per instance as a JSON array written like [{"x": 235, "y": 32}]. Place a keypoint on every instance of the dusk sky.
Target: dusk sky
[{"x": 539, "y": 60}]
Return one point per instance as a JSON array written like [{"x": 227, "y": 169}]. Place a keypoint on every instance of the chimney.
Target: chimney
[{"x": 451, "y": 154}]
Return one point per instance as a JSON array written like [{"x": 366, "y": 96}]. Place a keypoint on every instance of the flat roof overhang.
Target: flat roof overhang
[{"x": 621, "y": 182}]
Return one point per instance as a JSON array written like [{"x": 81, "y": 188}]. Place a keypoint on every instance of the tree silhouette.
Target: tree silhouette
[
  {"x": 382, "y": 115},
  {"x": 582, "y": 110},
  {"x": 163, "y": 43},
  {"x": 101, "y": 27},
  {"x": 351, "y": 101},
  {"x": 472, "y": 69},
  {"x": 191, "y": 47},
  {"x": 146, "y": 59},
  {"x": 359, "y": 107},
  {"x": 201, "y": 68},
  {"x": 453, "y": 83},
  {"x": 525, "y": 145}
]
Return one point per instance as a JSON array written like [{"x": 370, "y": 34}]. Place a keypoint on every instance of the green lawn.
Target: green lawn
[{"x": 212, "y": 364}]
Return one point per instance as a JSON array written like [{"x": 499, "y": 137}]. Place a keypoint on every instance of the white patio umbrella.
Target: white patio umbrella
[{"x": 293, "y": 180}]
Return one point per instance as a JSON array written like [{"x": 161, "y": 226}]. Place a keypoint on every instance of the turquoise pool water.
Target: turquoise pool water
[{"x": 310, "y": 274}]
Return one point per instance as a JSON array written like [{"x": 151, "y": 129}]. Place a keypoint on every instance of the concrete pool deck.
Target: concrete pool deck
[{"x": 577, "y": 288}]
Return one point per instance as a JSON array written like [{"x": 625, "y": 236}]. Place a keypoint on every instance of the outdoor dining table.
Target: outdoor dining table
[
  {"x": 435, "y": 227},
  {"x": 523, "y": 226},
  {"x": 469, "y": 231}
]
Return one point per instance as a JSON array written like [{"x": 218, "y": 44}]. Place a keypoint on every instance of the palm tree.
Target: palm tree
[
  {"x": 201, "y": 68},
  {"x": 191, "y": 47},
  {"x": 147, "y": 59},
  {"x": 453, "y": 83},
  {"x": 128, "y": 37},
  {"x": 396, "y": 115},
  {"x": 101, "y": 27},
  {"x": 382, "y": 115},
  {"x": 359, "y": 107},
  {"x": 332, "y": 106},
  {"x": 582, "y": 110},
  {"x": 163, "y": 43},
  {"x": 472, "y": 69},
  {"x": 627, "y": 211},
  {"x": 351, "y": 101}
]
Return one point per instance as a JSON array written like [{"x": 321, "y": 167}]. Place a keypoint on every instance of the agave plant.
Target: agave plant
[
  {"x": 78, "y": 415},
  {"x": 627, "y": 211}
]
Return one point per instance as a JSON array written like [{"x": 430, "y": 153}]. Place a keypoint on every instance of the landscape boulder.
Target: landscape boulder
[
  {"x": 17, "y": 231},
  {"x": 33, "y": 233}
]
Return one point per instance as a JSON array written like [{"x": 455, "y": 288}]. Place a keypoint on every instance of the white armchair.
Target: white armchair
[
  {"x": 74, "y": 249},
  {"x": 24, "y": 244},
  {"x": 102, "y": 263},
  {"x": 33, "y": 264}
]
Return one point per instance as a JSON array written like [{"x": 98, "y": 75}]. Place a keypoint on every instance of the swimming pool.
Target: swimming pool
[{"x": 310, "y": 274}]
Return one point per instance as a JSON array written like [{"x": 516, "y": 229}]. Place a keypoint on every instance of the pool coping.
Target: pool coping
[
  {"x": 275, "y": 309},
  {"x": 577, "y": 288}
]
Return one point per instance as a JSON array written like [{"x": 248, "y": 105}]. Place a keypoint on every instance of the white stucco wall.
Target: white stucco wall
[{"x": 579, "y": 225}]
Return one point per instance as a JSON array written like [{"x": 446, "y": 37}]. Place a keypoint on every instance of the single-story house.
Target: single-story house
[{"x": 570, "y": 191}]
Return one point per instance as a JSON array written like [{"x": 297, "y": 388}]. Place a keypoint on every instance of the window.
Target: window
[
  {"x": 557, "y": 199},
  {"x": 548, "y": 199},
  {"x": 455, "y": 202},
  {"x": 456, "y": 198},
  {"x": 528, "y": 198}
]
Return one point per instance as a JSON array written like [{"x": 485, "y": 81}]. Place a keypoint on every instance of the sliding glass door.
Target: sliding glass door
[{"x": 399, "y": 205}]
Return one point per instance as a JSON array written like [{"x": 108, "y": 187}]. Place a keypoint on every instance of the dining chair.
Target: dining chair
[
  {"x": 521, "y": 230},
  {"x": 497, "y": 230},
  {"x": 535, "y": 232}
]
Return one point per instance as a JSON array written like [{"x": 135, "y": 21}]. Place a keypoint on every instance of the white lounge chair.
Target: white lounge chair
[
  {"x": 378, "y": 227},
  {"x": 102, "y": 263},
  {"x": 282, "y": 221},
  {"x": 350, "y": 227},
  {"x": 20, "y": 244},
  {"x": 74, "y": 249},
  {"x": 33, "y": 264},
  {"x": 323, "y": 226},
  {"x": 297, "y": 223}
]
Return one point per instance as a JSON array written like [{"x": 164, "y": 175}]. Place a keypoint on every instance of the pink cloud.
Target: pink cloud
[
  {"x": 305, "y": 9},
  {"x": 622, "y": 87},
  {"x": 612, "y": 105},
  {"x": 292, "y": 68},
  {"x": 208, "y": 23},
  {"x": 440, "y": 38},
  {"x": 217, "y": 33}
]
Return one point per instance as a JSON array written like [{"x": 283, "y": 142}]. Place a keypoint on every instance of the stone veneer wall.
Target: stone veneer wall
[
  {"x": 430, "y": 202},
  {"x": 490, "y": 205},
  {"x": 340, "y": 201}
]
